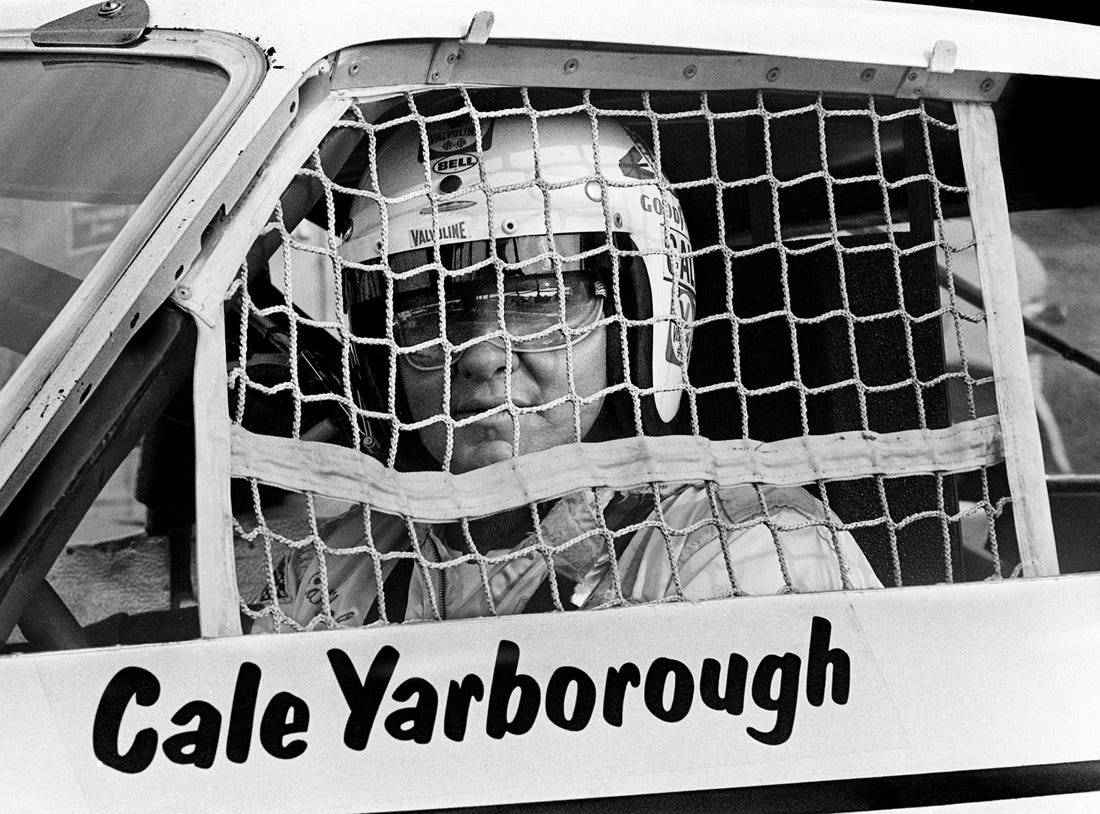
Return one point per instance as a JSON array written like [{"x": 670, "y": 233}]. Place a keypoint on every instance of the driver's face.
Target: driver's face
[{"x": 478, "y": 385}]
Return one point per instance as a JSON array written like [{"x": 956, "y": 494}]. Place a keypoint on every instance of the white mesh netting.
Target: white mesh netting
[{"x": 541, "y": 350}]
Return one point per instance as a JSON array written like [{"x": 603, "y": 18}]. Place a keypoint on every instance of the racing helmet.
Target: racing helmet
[{"x": 438, "y": 199}]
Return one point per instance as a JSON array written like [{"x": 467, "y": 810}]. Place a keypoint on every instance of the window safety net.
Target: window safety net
[{"x": 533, "y": 350}]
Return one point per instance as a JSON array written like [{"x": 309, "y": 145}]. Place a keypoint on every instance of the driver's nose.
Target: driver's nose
[{"x": 484, "y": 360}]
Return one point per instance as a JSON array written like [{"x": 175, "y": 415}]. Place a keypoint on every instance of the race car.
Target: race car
[{"x": 571, "y": 405}]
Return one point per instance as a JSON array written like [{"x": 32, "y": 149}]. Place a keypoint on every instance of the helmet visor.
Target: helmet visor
[
  {"x": 525, "y": 292},
  {"x": 529, "y": 312},
  {"x": 529, "y": 254}
]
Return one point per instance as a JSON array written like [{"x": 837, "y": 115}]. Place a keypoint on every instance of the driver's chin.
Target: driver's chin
[
  {"x": 487, "y": 442},
  {"x": 470, "y": 456},
  {"x": 490, "y": 440},
  {"x": 475, "y": 445}
]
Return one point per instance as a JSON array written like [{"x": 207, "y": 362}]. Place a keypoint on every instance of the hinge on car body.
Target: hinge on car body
[
  {"x": 113, "y": 23},
  {"x": 449, "y": 52},
  {"x": 941, "y": 61},
  {"x": 943, "y": 56}
]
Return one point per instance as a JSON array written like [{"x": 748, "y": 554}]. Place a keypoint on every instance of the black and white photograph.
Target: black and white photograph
[{"x": 549, "y": 406}]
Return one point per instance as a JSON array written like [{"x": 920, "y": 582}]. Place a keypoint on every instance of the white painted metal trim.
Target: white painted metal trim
[
  {"x": 203, "y": 292},
  {"x": 150, "y": 279},
  {"x": 579, "y": 66},
  {"x": 244, "y": 65},
  {"x": 215, "y": 566},
  {"x": 845, "y": 30},
  {"x": 1004, "y": 321},
  {"x": 944, "y": 678},
  {"x": 209, "y": 279}
]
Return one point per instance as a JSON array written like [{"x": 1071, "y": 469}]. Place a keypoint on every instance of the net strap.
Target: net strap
[
  {"x": 396, "y": 590},
  {"x": 623, "y": 464}
]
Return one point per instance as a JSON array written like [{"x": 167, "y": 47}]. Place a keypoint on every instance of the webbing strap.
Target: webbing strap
[
  {"x": 627, "y": 463},
  {"x": 396, "y": 591},
  {"x": 622, "y": 511}
]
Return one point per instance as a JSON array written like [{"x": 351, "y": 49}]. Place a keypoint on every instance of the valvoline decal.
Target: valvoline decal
[{"x": 457, "y": 136}]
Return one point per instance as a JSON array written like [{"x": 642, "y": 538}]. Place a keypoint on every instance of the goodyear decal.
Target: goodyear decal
[{"x": 666, "y": 208}]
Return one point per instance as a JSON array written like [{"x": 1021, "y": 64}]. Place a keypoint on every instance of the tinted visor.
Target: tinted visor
[
  {"x": 530, "y": 254},
  {"x": 507, "y": 292},
  {"x": 417, "y": 269},
  {"x": 531, "y": 312}
]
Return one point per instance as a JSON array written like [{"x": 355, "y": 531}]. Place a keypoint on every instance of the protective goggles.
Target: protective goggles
[
  {"x": 524, "y": 300},
  {"x": 536, "y": 312}
]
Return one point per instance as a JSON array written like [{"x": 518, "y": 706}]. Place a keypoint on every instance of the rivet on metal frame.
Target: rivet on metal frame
[{"x": 110, "y": 24}]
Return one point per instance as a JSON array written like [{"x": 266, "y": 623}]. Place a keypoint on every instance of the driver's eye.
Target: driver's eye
[{"x": 535, "y": 299}]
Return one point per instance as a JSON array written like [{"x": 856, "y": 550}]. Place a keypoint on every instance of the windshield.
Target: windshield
[{"x": 82, "y": 142}]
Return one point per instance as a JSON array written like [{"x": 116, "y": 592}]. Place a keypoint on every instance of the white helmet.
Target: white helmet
[{"x": 422, "y": 205}]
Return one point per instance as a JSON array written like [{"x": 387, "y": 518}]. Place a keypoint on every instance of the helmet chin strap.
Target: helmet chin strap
[{"x": 608, "y": 424}]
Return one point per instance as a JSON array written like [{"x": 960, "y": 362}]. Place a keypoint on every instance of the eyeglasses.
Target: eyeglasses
[{"x": 532, "y": 311}]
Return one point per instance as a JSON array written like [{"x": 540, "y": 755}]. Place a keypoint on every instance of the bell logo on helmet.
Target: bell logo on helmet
[{"x": 454, "y": 163}]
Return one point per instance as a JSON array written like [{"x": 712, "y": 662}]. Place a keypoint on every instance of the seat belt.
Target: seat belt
[
  {"x": 623, "y": 510},
  {"x": 396, "y": 591}
]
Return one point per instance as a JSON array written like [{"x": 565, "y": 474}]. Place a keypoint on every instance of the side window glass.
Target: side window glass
[{"x": 1056, "y": 251}]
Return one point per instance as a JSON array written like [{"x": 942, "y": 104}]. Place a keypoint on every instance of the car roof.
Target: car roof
[{"x": 844, "y": 30}]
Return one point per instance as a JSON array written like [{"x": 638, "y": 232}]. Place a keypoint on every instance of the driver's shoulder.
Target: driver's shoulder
[{"x": 743, "y": 502}]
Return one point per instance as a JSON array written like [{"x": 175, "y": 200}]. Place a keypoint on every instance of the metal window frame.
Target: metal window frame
[
  {"x": 372, "y": 72},
  {"x": 514, "y": 64},
  {"x": 46, "y": 390}
]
